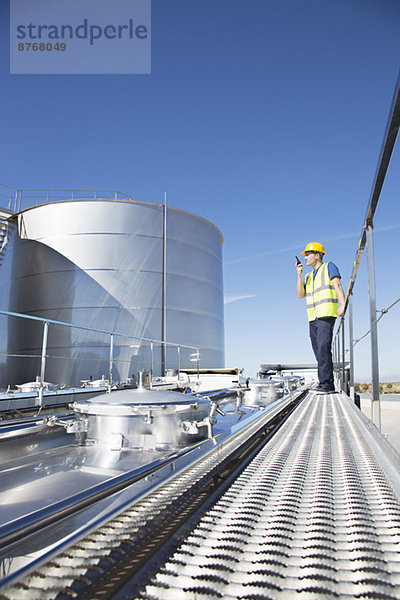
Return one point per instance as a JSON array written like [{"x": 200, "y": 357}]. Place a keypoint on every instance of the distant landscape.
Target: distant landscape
[{"x": 384, "y": 388}]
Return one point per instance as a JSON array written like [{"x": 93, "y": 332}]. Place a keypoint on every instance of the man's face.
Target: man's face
[{"x": 311, "y": 258}]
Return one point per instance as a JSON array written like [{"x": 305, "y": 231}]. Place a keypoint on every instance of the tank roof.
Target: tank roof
[{"x": 120, "y": 200}]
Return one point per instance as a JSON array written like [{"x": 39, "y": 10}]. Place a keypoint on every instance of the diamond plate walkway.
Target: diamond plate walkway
[{"x": 316, "y": 515}]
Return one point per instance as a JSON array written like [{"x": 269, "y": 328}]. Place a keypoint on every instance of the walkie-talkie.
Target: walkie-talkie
[{"x": 298, "y": 261}]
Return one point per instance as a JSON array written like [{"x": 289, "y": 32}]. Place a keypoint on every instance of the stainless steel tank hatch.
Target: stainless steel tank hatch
[{"x": 141, "y": 418}]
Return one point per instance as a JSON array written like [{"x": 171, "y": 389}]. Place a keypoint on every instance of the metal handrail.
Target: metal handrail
[
  {"x": 366, "y": 241},
  {"x": 35, "y": 197},
  {"x": 392, "y": 130},
  {"x": 151, "y": 341},
  {"x": 106, "y": 331}
]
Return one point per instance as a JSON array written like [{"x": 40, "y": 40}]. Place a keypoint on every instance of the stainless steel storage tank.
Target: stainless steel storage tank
[{"x": 99, "y": 263}]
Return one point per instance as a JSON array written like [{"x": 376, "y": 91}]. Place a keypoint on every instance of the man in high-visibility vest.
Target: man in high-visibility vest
[{"x": 325, "y": 301}]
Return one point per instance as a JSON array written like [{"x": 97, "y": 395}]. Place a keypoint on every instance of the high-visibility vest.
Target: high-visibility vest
[{"x": 321, "y": 297}]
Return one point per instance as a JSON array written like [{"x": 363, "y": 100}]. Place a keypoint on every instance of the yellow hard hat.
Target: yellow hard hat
[{"x": 314, "y": 247}]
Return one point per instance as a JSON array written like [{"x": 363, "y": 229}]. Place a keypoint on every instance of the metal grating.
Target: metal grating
[
  {"x": 313, "y": 516},
  {"x": 94, "y": 565}
]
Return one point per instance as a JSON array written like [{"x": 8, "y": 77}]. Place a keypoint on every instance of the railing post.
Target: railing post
[
  {"x": 151, "y": 362},
  {"x": 338, "y": 355},
  {"x": 343, "y": 357},
  {"x": 179, "y": 362},
  {"x": 351, "y": 349},
  {"x": 44, "y": 351},
  {"x": 39, "y": 401},
  {"x": 375, "y": 401},
  {"x": 334, "y": 356},
  {"x": 110, "y": 362},
  {"x": 198, "y": 363},
  {"x": 164, "y": 287}
]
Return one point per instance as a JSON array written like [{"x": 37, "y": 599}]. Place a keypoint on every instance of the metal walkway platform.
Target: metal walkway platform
[{"x": 316, "y": 515}]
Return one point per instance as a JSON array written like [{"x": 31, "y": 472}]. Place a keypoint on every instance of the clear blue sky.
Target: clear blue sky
[{"x": 266, "y": 118}]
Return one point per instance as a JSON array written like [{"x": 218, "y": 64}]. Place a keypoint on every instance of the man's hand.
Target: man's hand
[
  {"x": 340, "y": 294},
  {"x": 301, "y": 292}
]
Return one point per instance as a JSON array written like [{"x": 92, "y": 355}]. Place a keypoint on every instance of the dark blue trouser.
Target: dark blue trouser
[{"x": 321, "y": 331}]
